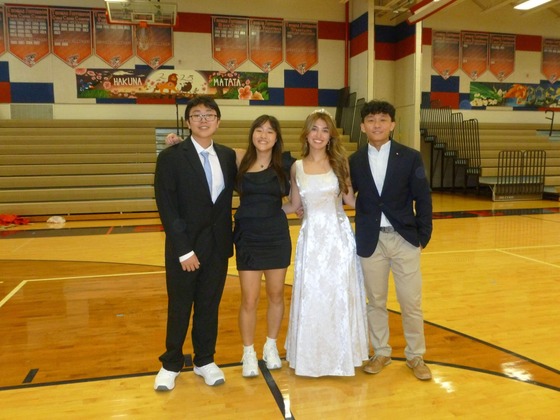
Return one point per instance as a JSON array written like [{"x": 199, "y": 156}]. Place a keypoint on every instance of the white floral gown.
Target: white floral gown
[{"x": 327, "y": 331}]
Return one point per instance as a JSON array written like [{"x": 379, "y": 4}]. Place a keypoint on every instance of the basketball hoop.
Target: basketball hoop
[{"x": 141, "y": 13}]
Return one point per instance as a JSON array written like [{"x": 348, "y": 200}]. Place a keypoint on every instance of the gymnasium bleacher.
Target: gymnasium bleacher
[
  {"x": 515, "y": 161},
  {"x": 85, "y": 167},
  {"x": 82, "y": 168}
]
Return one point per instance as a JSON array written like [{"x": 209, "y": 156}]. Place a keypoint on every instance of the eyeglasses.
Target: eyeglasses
[{"x": 200, "y": 117}]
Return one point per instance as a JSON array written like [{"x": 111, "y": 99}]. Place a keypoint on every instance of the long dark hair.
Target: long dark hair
[{"x": 251, "y": 155}]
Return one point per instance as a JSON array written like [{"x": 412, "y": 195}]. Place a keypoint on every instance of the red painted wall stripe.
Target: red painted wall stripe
[
  {"x": 426, "y": 36},
  {"x": 359, "y": 44},
  {"x": 332, "y": 30},
  {"x": 528, "y": 43},
  {"x": 193, "y": 22},
  {"x": 301, "y": 97},
  {"x": 405, "y": 47},
  {"x": 385, "y": 51}
]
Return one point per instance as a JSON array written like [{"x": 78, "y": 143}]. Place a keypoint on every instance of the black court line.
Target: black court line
[
  {"x": 491, "y": 372},
  {"x": 276, "y": 393},
  {"x": 49, "y": 233},
  {"x": 96, "y": 379},
  {"x": 30, "y": 376}
]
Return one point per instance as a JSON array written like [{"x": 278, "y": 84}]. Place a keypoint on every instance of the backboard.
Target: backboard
[{"x": 133, "y": 12}]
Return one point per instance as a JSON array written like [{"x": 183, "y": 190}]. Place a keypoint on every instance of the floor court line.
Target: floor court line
[
  {"x": 24, "y": 282},
  {"x": 529, "y": 259}
]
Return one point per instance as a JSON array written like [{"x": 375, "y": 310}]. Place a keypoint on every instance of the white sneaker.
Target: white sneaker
[
  {"x": 165, "y": 380},
  {"x": 211, "y": 373},
  {"x": 271, "y": 357},
  {"x": 250, "y": 364}
]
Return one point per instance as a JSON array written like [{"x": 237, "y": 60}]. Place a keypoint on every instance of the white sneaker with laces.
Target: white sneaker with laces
[
  {"x": 250, "y": 364},
  {"x": 165, "y": 380},
  {"x": 271, "y": 357},
  {"x": 211, "y": 373}
]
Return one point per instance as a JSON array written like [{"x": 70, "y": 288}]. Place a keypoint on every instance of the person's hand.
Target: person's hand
[
  {"x": 299, "y": 212},
  {"x": 172, "y": 139},
  {"x": 191, "y": 264}
]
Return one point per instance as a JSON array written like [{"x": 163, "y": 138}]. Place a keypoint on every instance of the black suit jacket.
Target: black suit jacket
[
  {"x": 405, "y": 200},
  {"x": 192, "y": 222}
]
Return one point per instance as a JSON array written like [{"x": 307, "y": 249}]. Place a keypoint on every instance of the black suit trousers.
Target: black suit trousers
[{"x": 202, "y": 290}]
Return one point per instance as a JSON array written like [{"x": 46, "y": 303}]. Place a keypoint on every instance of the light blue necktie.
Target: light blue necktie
[{"x": 207, "y": 168}]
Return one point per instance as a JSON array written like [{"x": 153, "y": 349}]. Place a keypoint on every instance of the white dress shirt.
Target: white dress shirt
[
  {"x": 217, "y": 176},
  {"x": 378, "y": 160}
]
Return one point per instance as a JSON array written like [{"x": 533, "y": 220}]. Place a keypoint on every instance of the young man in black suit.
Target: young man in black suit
[
  {"x": 393, "y": 224},
  {"x": 195, "y": 210}
]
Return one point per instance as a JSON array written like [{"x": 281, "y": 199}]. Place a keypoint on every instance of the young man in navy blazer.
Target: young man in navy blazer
[
  {"x": 393, "y": 224},
  {"x": 195, "y": 210}
]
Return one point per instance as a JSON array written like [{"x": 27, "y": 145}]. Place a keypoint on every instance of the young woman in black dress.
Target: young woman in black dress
[{"x": 262, "y": 237}]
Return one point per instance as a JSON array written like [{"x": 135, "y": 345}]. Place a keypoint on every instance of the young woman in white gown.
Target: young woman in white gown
[{"x": 327, "y": 332}]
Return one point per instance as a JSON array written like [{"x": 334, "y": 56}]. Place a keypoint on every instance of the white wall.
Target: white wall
[
  {"x": 191, "y": 51},
  {"x": 467, "y": 16}
]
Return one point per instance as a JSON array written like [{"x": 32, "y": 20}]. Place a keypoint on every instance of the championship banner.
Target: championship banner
[
  {"x": 2, "y": 32},
  {"x": 502, "y": 55},
  {"x": 170, "y": 83},
  {"x": 154, "y": 44},
  {"x": 550, "y": 66},
  {"x": 28, "y": 33},
  {"x": 113, "y": 43},
  {"x": 445, "y": 53},
  {"x": 301, "y": 45},
  {"x": 71, "y": 35},
  {"x": 229, "y": 41},
  {"x": 474, "y": 53},
  {"x": 265, "y": 43}
]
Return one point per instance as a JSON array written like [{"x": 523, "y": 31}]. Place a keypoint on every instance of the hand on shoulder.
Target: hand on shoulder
[{"x": 172, "y": 139}]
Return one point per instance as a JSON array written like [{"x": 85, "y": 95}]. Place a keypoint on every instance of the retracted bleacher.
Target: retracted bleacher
[
  {"x": 454, "y": 147},
  {"x": 521, "y": 175},
  {"x": 84, "y": 168}
]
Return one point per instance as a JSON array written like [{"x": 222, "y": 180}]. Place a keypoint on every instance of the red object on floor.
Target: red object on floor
[{"x": 12, "y": 219}]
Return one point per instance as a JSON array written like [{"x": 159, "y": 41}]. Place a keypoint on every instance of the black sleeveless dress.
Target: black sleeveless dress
[{"x": 261, "y": 234}]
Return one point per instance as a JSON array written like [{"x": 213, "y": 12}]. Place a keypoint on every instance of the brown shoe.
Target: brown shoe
[
  {"x": 376, "y": 364},
  {"x": 419, "y": 368}
]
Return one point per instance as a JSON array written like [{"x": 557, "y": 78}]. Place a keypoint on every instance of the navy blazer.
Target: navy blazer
[
  {"x": 192, "y": 222},
  {"x": 405, "y": 200}
]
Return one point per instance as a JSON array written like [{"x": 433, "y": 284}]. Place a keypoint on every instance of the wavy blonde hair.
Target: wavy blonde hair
[{"x": 335, "y": 150}]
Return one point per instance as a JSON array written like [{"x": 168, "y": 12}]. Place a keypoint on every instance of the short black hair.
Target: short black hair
[
  {"x": 205, "y": 100},
  {"x": 377, "y": 107}
]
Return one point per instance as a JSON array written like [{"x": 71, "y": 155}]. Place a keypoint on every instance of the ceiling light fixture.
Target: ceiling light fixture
[{"x": 530, "y": 4}]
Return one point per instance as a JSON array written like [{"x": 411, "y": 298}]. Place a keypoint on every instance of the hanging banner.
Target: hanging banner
[
  {"x": 28, "y": 33},
  {"x": 2, "y": 32},
  {"x": 301, "y": 45},
  {"x": 474, "y": 53},
  {"x": 154, "y": 44},
  {"x": 113, "y": 42},
  {"x": 229, "y": 41},
  {"x": 515, "y": 95},
  {"x": 71, "y": 35},
  {"x": 550, "y": 66},
  {"x": 170, "y": 83},
  {"x": 445, "y": 53},
  {"x": 265, "y": 43},
  {"x": 502, "y": 55}
]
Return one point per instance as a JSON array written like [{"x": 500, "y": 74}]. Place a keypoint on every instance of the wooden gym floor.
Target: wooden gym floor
[{"x": 83, "y": 311}]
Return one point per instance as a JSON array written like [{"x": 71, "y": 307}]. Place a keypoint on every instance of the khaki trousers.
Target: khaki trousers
[{"x": 394, "y": 254}]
